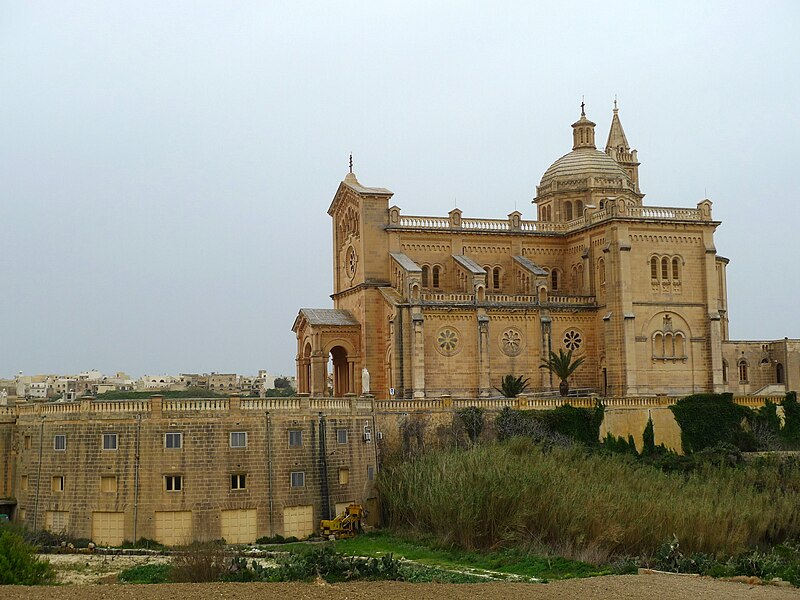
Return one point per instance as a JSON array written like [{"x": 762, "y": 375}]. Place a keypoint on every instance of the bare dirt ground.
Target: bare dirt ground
[{"x": 657, "y": 586}]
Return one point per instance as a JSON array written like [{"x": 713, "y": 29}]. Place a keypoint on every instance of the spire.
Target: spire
[
  {"x": 617, "y": 147},
  {"x": 616, "y": 135},
  {"x": 583, "y": 131}
]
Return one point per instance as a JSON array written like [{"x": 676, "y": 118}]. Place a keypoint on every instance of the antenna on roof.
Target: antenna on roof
[{"x": 351, "y": 162}]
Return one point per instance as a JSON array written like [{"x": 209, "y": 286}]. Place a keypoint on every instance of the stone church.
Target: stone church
[{"x": 449, "y": 305}]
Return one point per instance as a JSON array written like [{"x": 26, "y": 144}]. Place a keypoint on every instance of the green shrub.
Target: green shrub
[
  {"x": 577, "y": 424},
  {"x": 472, "y": 419},
  {"x": 152, "y": 573},
  {"x": 709, "y": 419},
  {"x": 18, "y": 562},
  {"x": 648, "y": 438},
  {"x": 791, "y": 427}
]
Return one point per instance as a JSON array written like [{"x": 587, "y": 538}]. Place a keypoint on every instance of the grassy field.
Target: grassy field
[{"x": 588, "y": 506}]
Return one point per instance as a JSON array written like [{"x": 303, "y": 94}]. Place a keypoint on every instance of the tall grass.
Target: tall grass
[{"x": 586, "y": 505}]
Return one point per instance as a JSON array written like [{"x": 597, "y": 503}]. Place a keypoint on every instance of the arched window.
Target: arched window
[
  {"x": 568, "y": 211},
  {"x": 496, "y": 278},
  {"x": 680, "y": 345},
  {"x": 578, "y": 209},
  {"x": 665, "y": 269},
  {"x": 436, "y": 273},
  {"x": 779, "y": 373},
  {"x": 724, "y": 371},
  {"x": 676, "y": 273},
  {"x": 601, "y": 271},
  {"x": 426, "y": 273},
  {"x": 654, "y": 268},
  {"x": 554, "y": 280},
  {"x": 742, "y": 371},
  {"x": 658, "y": 344}
]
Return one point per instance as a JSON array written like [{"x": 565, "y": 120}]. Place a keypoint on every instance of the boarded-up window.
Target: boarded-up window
[
  {"x": 23, "y": 483},
  {"x": 57, "y": 520},
  {"x": 239, "y": 526},
  {"x": 108, "y": 484},
  {"x": 57, "y": 484},
  {"x": 298, "y": 521},
  {"x": 344, "y": 476}
]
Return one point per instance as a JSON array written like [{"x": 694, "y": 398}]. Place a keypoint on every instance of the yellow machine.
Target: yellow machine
[{"x": 345, "y": 525}]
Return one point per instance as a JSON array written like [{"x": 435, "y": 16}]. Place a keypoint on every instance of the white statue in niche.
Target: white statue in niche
[
  {"x": 3, "y": 398},
  {"x": 364, "y": 381}
]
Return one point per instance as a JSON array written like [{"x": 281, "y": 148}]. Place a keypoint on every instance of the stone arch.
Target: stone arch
[
  {"x": 779, "y": 373},
  {"x": 567, "y": 210}
]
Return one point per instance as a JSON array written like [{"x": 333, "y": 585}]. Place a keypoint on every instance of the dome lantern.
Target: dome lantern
[{"x": 583, "y": 131}]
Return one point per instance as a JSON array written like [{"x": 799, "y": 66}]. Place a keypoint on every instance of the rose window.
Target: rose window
[
  {"x": 511, "y": 342},
  {"x": 447, "y": 341},
  {"x": 573, "y": 340},
  {"x": 352, "y": 262}
]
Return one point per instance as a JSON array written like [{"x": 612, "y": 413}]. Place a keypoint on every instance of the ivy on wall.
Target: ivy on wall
[{"x": 579, "y": 424}]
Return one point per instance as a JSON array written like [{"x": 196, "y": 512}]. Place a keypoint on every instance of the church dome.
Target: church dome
[{"x": 582, "y": 163}]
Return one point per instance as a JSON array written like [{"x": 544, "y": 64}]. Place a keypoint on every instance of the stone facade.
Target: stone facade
[
  {"x": 450, "y": 305},
  {"x": 184, "y": 470}
]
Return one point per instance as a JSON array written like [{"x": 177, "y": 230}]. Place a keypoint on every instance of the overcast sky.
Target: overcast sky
[{"x": 166, "y": 167}]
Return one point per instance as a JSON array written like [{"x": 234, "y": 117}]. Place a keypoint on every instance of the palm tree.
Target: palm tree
[
  {"x": 562, "y": 366},
  {"x": 511, "y": 386}
]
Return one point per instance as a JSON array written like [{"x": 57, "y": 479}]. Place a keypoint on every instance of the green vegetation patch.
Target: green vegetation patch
[
  {"x": 19, "y": 564},
  {"x": 153, "y": 573},
  {"x": 511, "y": 561}
]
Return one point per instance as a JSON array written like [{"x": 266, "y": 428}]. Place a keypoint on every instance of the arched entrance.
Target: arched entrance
[
  {"x": 304, "y": 385},
  {"x": 341, "y": 371}
]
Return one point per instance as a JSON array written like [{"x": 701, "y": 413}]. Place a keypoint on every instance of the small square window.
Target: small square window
[
  {"x": 370, "y": 472},
  {"x": 341, "y": 436},
  {"x": 238, "y": 481},
  {"x": 26, "y": 442},
  {"x": 60, "y": 442},
  {"x": 108, "y": 484},
  {"x": 173, "y": 483},
  {"x": 109, "y": 441},
  {"x": 238, "y": 439},
  {"x": 344, "y": 476},
  {"x": 295, "y": 438},
  {"x": 23, "y": 483},
  {"x": 173, "y": 439},
  {"x": 58, "y": 483},
  {"x": 298, "y": 479}
]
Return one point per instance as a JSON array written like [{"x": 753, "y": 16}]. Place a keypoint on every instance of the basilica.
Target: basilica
[{"x": 448, "y": 305}]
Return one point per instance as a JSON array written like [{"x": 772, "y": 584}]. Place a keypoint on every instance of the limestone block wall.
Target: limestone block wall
[{"x": 174, "y": 472}]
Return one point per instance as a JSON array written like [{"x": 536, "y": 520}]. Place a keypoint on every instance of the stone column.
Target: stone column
[
  {"x": 319, "y": 383},
  {"x": 418, "y": 354},
  {"x": 483, "y": 355}
]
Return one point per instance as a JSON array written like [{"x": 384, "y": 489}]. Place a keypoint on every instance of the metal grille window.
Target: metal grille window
[
  {"x": 341, "y": 436},
  {"x": 109, "y": 441},
  {"x": 238, "y": 439},
  {"x": 173, "y": 439},
  {"x": 295, "y": 438},
  {"x": 173, "y": 483},
  {"x": 298, "y": 479},
  {"x": 60, "y": 442},
  {"x": 238, "y": 481}
]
